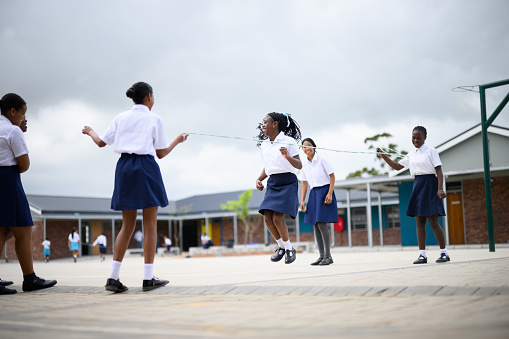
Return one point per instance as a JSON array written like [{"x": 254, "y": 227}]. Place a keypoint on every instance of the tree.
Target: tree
[
  {"x": 240, "y": 208},
  {"x": 374, "y": 171}
]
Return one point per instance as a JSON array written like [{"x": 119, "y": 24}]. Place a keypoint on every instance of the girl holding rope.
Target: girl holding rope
[{"x": 278, "y": 138}]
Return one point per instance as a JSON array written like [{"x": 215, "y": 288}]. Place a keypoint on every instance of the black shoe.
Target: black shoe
[
  {"x": 5, "y": 282},
  {"x": 326, "y": 261},
  {"x": 278, "y": 255},
  {"x": 35, "y": 283},
  {"x": 421, "y": 260},
  {"x": 5, "y": 290},
  {"x": 443, "y": 258},
  {"x": 114, "y": 285},
  {"x": 317, "y": 262},
  {"x": 74, "y": 259},
  {"x": 290, "y": 256},
  {"x": 153, "y": 283}
]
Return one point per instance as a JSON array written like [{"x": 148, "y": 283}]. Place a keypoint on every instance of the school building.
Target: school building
[{"x": 371, "y": 210}]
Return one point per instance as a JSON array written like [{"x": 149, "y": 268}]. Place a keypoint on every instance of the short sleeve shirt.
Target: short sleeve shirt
[
  {"x": 316, "y": 172},
  {"x": 422, "y": 161},
  {"x": 138, "y": 131},
  {"x": 75, "y": 237},
  {"x": 12, "y": 143},
  {"x": 273, "y": 160}
]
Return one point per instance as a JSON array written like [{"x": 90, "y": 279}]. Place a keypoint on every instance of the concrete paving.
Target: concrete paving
[{"x": 366, "y": 293}]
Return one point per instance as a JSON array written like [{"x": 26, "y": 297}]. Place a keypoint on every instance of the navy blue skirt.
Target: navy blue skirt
[
  {"x": 281, "y": 195},
  {"x": 317, "y": 209},
  {"x": 424, "y": 201},
  {"x": 14, "y": 208},
  {"x": 138, "y": 183}
]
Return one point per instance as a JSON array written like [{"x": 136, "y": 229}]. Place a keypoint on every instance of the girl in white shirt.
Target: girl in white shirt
[
  {"x": 138, "y": 135},
  {"x": 322, "y": 208},
  {"x": 15, "y": 217},
  {"x": 427, "y": 192},
  {"x": 278, "y": 137},
  {"x": 73, "y": 242}
]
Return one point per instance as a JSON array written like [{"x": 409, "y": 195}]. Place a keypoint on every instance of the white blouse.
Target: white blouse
[
  {"x": 138, "y": 131},
  {"x": 273, "y": 160},
  {"x": 316, "y": 172},
  {"x": 422, "y": 161},
  {"x": 12, "y": 142}
]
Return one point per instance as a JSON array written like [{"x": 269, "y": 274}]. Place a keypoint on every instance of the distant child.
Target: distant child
[
  {"x": 206, "y": 241},
  {"x": 15, "y": 217},
  {"x": 102, "y": 241},
  {"x": 73, "y": 241},
  {"x": 427, "y": 192},
  {"x": 322, "y": 207},
  {"x": 46, "y": 252},
  {"x": 278, "y": 137},
  {"x": 138, "y": 135},
  {"x": 167, "y": 242}
]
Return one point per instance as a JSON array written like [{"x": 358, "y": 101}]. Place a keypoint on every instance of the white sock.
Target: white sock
[
  {"x": 288, "y": 245},
  {"x": 443, "y": 250},
  {"x": 423, "y": 253},
  {"x": 115, "y": 269},
  {"x": 148, "y": 271},
  {"x": 280, "y": 243}
]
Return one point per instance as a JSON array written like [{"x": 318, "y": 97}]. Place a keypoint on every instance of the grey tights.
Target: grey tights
[{"x": 323, "y": 239}]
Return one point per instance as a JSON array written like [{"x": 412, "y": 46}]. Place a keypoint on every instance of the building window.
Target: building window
[
  {"x": 291, "y": 223},
  {"x": 392, "y": 213},
  {"x": 359, "y": 219}
]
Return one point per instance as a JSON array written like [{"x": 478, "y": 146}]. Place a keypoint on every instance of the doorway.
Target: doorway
[{"x": 455, "y": 218}]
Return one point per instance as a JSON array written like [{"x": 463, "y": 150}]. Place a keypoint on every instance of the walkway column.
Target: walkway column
[
  {"x": 349, "y": 218},
  {"x": 369, "y": 218},
  {"x": 380, "y": 222},
  {"x": 235, "y": 230}
]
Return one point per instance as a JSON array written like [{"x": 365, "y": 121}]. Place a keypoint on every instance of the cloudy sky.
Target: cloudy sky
[{"x": 345, "y": 70}]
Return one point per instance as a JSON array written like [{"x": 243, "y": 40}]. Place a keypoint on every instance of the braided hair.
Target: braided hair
[
  {"x": 285, "y": 123},
  {"x": 420, "y": 129}
]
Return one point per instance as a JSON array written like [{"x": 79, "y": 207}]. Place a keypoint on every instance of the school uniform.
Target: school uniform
[
  {"x": 424, "y": 201},
  {"x": 317, "y": 173},
  {"x": 46, "y": 245},
  {"x": 281, "y": 194},
  {"x": 137, "y": 134},
  {"x": 74, "y": 238},
  {"x": 14, "y": 208},
  {"x": 101, "y": 240}
]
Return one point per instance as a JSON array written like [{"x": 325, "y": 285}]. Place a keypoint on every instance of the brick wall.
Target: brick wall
[{"x": 360, "y": 238}]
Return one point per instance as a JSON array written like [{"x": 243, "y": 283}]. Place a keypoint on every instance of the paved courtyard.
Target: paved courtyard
[{"x": 366, "y": 293}]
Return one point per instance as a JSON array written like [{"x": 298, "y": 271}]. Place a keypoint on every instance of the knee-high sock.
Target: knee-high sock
[
  {"x": 319, "y": 240},
  {"x": 324, "y": 230}
]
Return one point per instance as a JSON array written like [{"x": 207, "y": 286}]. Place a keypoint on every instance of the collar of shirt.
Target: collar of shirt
[
  {"x": 422, "y": 148},
  {"x": 140, "y": 108}
]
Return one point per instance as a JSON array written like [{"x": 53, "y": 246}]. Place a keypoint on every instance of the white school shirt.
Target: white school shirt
[
  {"x": 422, "y": 161},
  {"x": 46, "y": 244},
  {"x": 138, "y": 131},
  {"x": 273, "y": 160},
  {"x": 167, "y": 241},
  {"x": 75, "y": 237},
  {"x": 316, "y": 172},
  {"x": 12, "y": 142},
  {"x": 101, "y": 240}
]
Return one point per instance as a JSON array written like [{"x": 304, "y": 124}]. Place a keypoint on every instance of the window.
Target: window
[
  {"x": 291, "y": 223},
  {"x": 392, "y": 214},
  {"x": 359, "y": 219}
]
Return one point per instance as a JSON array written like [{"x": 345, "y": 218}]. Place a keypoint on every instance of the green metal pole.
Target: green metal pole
[{"x": 487, "y": 176}]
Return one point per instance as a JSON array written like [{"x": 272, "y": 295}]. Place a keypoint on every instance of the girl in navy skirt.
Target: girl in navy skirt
[
  {"x": 322, "y": 207},
  {"x": 138, "y": 135},
  {"x": 278, "y": 137},
  {"x": 427, "y": 192},
  {"x": 15, "y": 217}
]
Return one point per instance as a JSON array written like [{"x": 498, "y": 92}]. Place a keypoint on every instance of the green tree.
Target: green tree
[
  {"x": 240, "y": 208},
  {"x": 371, "y": 141}
]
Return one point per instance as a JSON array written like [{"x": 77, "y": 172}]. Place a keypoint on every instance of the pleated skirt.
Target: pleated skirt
[
  {"x": 14, "y": 208},
  {"x": 281, "y": 194},
  {"x": 317, "y": 209},
  {"x": 424, "y": 201},
  {"x": 138, "y": 183}
]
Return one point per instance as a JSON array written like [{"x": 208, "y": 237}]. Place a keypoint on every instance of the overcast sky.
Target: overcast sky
[{"x": 345, "y": 70}]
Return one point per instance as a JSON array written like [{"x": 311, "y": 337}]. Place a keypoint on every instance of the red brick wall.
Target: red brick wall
[
  {"x": 360, "y": 238},
  {"x": 474, "y": 202}
]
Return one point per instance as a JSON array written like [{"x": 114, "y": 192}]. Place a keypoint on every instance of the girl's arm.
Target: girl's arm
[
  {"x": 23, "y": 163},
  {"x": 328, "y": 198},
  {"x": 303, "y": 196},
  {"x": 440, "y": 177},
  {"x": 261, "y": 177},
  {"x": 295, "y": 161},
  {"x": 161, "y": 153},
  {"x": 95, "y": 137},
  {"x": 389, "y": 161}
]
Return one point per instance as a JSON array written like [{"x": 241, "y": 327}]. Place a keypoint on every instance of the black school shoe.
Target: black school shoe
[
  {"x": 290, "y": 256},
  {"x": 421, "y": 260},
  {"x": 278, "y": 255},
  {"x": 34, "y": 283},
  {"x": 326, "y": 261},
  {"x": 5, "y": 282},
  {"x": 153, "y": 283},
  {"x": 5, "y": 290},
  {"x": 317, "y": 262},
  {"x": 443, "y": 258},
  {"x": 114, "y": 285}
]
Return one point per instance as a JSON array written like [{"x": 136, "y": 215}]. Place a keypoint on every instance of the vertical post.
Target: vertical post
[
  {"x": 81, "y": 236},
  {"x": 380, "y": 222},
  {"x": 349, "y": 218},
  {"x": 235, "y": 230},
  {"x": 487, "y": 174},
  {"x": 369, "y": 219},
  {"x": 446, "y": 218},
  {"x": 44, "y": 228},
  {"x": 297, "y": 227},
  {"x": 113, "y": 235},
  {"x": 181, "y": 235}
]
